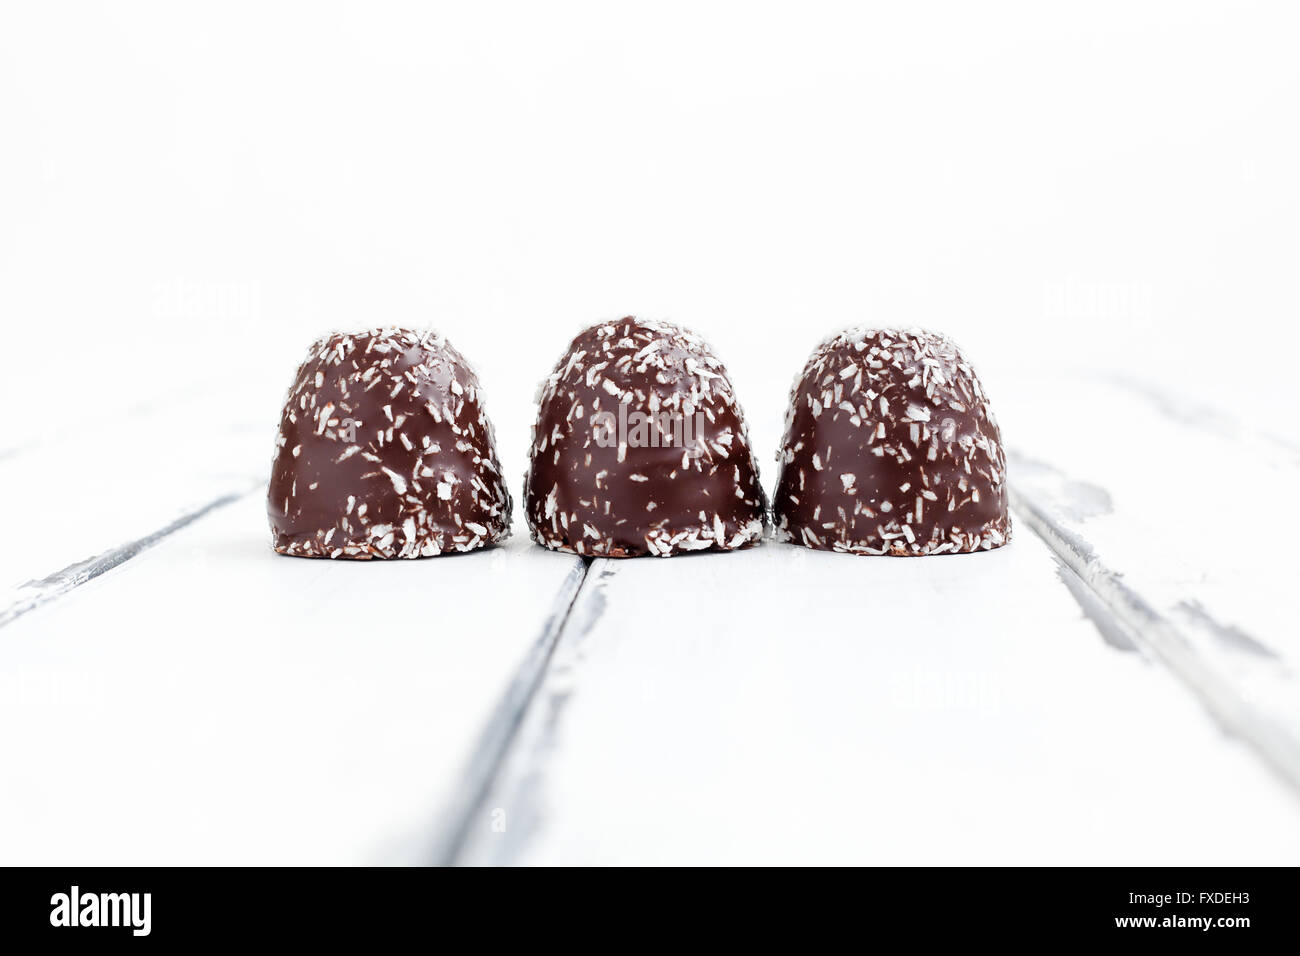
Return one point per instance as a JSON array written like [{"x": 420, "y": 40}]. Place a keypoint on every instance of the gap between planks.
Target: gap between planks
[
  {"x": 498, "y": 735},
  {"x": 521, "y": 765},
  {"x": 1156, "y": 634},
  {"x": 35, "y": 593},
  {"x": 512, "y": 752},
  {"x": 517, "y": 757}
]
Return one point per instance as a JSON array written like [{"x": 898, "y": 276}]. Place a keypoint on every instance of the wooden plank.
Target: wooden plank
[
  {"x": 31, "y": 594},
  {"x": 785, "y": 705},
  {"x": 1168, "y": 509},
  {"x": 211, "y": 702},
  {"x": 98, "y": 493}
]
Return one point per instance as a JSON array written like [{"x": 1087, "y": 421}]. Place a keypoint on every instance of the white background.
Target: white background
[{"x": 190, "y": 193}]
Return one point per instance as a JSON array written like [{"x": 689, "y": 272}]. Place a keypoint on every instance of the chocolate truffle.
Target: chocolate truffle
[
  {"x": 385, "y": 451},
  {"x": 891, "y": 448},
  {"x": 640, "y": 448}
]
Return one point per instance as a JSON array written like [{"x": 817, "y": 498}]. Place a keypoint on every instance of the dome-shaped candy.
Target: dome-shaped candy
[
  {"x": 384, "y": 451},
  {"x": 640, "y": 447},
  {"x": 891, "y": 448}
]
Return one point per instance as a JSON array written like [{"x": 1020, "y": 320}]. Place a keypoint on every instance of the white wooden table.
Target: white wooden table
[{"x": 1116, "y": 686}]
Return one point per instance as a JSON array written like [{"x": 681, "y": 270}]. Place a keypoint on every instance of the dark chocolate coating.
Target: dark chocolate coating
[
  {"x": 384, "y": 451},
  {"x": 686, "y": 480},
  {"x": 891, "y": 448}
]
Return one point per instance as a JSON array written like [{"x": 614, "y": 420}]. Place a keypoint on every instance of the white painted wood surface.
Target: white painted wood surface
[
  {"x": 259, "y": 709},
  {"x": 784, "y": 705},
  {"x": 1176, "y": 515},
  {"x": 96, "y": 489},
  {"x": 187, "y": 696}
]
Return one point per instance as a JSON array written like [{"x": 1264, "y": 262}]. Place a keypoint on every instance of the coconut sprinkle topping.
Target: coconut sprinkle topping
[
  {"x": 385, "y": 451},
  {"x": 891, "y": 448},
  {"x": 640, "y": 448}
]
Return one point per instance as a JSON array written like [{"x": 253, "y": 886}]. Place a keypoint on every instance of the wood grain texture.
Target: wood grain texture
[
  {"x": 1170, "y": 511},
  {"x": 785, "y": 705},
  {"x": 213, "y": 702}
]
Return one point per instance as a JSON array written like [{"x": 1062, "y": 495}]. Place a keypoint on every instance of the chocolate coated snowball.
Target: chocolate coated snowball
[
  {"x": 384, "y": 451},
  {"x": 640, "y": 448},
  {"x": 891, "y": 448}
]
